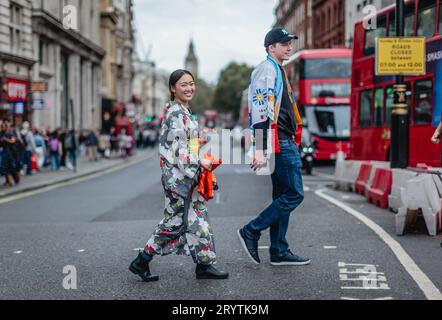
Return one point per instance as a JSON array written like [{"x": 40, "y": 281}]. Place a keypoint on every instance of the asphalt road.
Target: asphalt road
[{"x": 96, "y": 226}]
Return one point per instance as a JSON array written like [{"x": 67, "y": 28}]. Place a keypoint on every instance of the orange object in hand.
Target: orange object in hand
[{"x": 208, "y": 179}]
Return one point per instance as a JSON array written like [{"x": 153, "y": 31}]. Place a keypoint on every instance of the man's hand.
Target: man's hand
[
  {"x": 258, "y": 161},
  {"x": 436, "y": 137}
]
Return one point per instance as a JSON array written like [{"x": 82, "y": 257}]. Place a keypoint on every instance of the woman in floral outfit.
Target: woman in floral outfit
[{"x": 185, "y": 228}]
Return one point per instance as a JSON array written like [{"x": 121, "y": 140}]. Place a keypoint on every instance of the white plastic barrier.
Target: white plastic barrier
[
  {"x": 346, "y": 173},
  {"x": 422, "y": 192},
  {"x": 400, "y": 179},
  {"x": 375, "y": 165}
]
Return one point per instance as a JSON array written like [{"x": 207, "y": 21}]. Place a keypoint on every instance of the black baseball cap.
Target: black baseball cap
[{"x": 278, "y": 35}]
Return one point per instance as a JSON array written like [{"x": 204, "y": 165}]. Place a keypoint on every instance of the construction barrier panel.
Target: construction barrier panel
[
  {"x": 421, "y": 194},
  {"x": 400, "y": 179},
  {"x": 346, "y": 173},
  {"x": 364, "y": 175},
  {"x": 380, "y": 189},
  {"x": 374, "y": 165}
]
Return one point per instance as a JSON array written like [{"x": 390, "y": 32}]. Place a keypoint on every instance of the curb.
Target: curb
[{"x": 43, "y": 185}]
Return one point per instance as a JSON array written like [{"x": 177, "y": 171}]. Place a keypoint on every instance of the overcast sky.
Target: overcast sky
[{"x": 223, "y": 31}]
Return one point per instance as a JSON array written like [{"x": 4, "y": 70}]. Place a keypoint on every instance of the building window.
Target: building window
[
  {"x": 423, "y": 102},
  {"x": 16, "y": 21},
  {"x": 426, "y": 18},
  {"x": 365, "y": 109}
]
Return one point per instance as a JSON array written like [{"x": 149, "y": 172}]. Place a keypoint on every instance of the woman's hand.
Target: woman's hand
[{"x": 207, "y": 164}]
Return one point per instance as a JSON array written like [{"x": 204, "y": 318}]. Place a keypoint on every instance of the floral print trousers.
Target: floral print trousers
[{"x": 185, "y": 230}]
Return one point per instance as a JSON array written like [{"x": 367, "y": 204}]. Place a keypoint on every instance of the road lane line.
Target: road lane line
[
  {"x": 57, "y": 185},
  {"x": 323, "y": 175},
  {"x": 330, "y": 247},
  {"x": 18, "y": 252},
  {"x": 430, "y": 291}
]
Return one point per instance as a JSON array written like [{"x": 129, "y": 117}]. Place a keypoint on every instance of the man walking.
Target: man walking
[
  {"x": 277, "y": 128},
  {"x": 29, "y": 145}
]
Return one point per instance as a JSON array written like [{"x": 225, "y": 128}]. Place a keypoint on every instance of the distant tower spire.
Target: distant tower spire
[{"x": 191, "y": 62}]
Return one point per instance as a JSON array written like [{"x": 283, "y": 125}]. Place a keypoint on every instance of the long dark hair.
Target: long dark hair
[{"x": 174, "y": 78}]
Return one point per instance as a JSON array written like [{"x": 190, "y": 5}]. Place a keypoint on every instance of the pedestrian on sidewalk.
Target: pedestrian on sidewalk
[
  {"x": 9, "y": 162},
  {"x": 114, "y": 149},
  {"x": 92, "y": 146},
  {"x": 125, "y": 142},
  {"x": 40, "y": 148},
  {"x": 185, "y": 228},
  {"x": 277, "y": 127},
  {"x": 70, "y": 143},
  {"x": 55, "y": 150},
  {"x": 29, "y": 146}
]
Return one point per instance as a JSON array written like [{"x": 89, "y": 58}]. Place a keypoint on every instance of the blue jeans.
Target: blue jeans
[
  {"x": 28, "y": 155},
  {"x": 288, "y": 194},
  {"x": 55, "y": 160}
]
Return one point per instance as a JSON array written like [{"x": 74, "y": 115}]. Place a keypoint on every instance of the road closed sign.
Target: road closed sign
[{"x": 400, "y": 56}]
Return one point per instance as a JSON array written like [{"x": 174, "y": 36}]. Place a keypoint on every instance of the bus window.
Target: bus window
[
  {"x": 423, "y": 102},
  {"x": 378, "y": 104},
  {"x": 365, "y": 109},
  {"x": 389, "y": 101},
  {"x": 326, "y": 68},
  {"x": 408, "y": 23},
  {"x": 440, "y": 17},
  {"x": 425, "y": 18},
  {"x": 371, "y": 35}
]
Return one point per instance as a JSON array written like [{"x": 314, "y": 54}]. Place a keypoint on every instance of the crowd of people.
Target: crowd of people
[{"x": 25, "y": 150}]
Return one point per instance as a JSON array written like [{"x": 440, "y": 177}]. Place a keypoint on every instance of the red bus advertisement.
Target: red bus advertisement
[
  {"x": 321, "y": 83},
  {"x": 372, "y": 96}
]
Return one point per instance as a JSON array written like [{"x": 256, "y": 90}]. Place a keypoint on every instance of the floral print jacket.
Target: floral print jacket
[{"x": 179, "y": 150}]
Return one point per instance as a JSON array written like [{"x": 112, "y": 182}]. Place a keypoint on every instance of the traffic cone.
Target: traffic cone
[{"x": 340, "y": 155}]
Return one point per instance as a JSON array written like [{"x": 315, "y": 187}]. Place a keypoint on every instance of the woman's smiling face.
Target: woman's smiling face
[{"x": 184, "y": 89}]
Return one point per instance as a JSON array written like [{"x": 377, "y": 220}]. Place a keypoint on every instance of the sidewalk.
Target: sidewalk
[{"x": 46, "y": 177}]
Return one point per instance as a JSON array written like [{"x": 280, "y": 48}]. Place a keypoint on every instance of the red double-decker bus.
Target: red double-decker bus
[
  {"x": 321, "y": 83},
  {"x": 372, "y": 96}
]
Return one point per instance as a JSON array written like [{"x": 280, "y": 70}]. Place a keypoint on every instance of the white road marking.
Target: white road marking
[
  {"x": 380, "y": 299},
  {"x": 81, "y": 250},
  {"x": 263, "y": 248},
  {"x": 57, "y": 185},
  {"x": 138, "y": 249},
  {"x": 244, "y": 171},
  {"x": 330, "y": 247},
  {"x": 18, "y": 252},
  {"x": 365, "y": 273},
  {"x": 218, "y": 198},
  {"x": 323, "y": 175},
  {"x": 430, "y": 291},
  {"x": 306, "y": 189}
]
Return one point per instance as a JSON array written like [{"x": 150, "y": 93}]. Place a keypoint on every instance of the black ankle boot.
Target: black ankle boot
[
  {"x": 209, "y": 272},
  {"x": 140, "y": 266}
]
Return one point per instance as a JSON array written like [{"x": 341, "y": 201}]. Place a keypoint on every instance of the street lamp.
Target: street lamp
[{"x": 400, "y": 123}]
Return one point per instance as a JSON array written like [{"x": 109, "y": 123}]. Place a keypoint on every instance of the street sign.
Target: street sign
[
  {"x": 400, "y": 56},
  {"x": 39, "y": 86},
  {"x": 38, "y": 104}
]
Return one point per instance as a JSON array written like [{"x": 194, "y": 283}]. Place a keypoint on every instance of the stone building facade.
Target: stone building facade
[
  {"x": 66, "y": 44},
  {"x": 297, "y": 18},
  {"x": 16, "y": 59}
]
